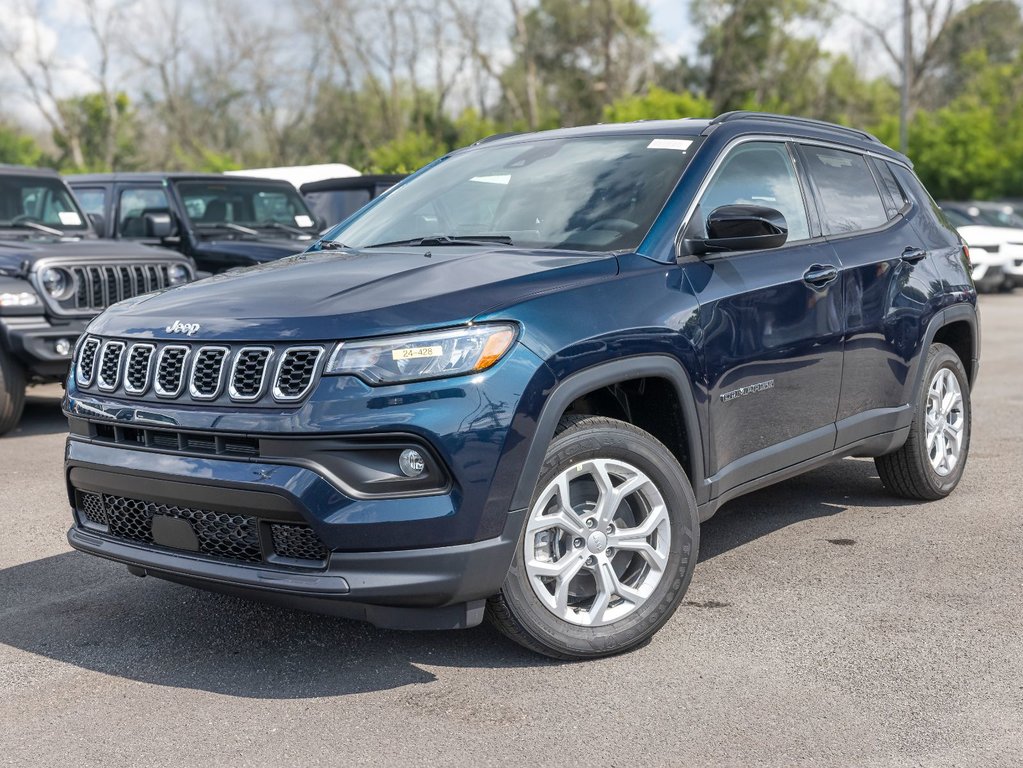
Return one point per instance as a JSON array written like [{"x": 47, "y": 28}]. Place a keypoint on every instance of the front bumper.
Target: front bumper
[
  {"x": 424, "y": 559},
  {"x": 437, "y": 588},
  {"x": 31, "y": 340}
]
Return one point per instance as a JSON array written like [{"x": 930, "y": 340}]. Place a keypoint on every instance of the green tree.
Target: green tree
[
  {"x": 573, "y": 57},
  {"x": 752, "y": 56},
  {"x": 18, "y": 148},
  {"x": 103, "y": 139},
  {"x": 657, "y": 104}
]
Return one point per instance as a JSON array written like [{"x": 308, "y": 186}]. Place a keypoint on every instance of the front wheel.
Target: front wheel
[
  {"x": 12, "y": 392},
  {"x": 609, "y": 545},
  {"x": 931, "y": 462}
]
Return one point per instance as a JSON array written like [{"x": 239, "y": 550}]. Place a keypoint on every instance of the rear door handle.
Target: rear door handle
[
  {"x": 912, "y": 254},
  {"x": 820, "y": 275}
]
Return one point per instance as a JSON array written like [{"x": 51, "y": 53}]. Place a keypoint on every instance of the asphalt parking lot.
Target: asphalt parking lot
[{"x": 826, "y": 625}]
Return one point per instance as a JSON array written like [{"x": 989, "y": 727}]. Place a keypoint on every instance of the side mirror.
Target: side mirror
[
  {"x": 158, "y": 225},
  {"x": 98, "y": 223},
  {"x": 741, "y": 228}
]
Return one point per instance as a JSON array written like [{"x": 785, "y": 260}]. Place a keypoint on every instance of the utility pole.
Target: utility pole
[{"x": 907, "y": 72}]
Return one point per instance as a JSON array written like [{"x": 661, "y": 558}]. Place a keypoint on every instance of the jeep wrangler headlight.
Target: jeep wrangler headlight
[
  {"x": 177, "y": 274},
  {"x": 57, "y": 282},
  {"x": 428, "y": 355}
]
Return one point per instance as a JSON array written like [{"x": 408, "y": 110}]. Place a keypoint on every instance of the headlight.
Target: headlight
[
  {"x": 177, "y": 274},
  {"x": 428, "y": 355},
  {"x": 23, "y": 299},
  {"x": 57, "y": 282}
]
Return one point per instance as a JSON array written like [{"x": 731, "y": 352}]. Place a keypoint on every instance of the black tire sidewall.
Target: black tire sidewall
[
  {"x": 943, "y": 357},
  {"x": 12, "y": 392},
  {"x": 647, "y": 454}
]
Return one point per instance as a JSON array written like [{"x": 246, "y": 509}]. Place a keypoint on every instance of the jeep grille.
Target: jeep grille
[{"x": 197, "y": 372}]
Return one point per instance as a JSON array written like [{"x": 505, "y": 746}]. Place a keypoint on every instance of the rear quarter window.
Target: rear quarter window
[{"x": 850, "y": 200}]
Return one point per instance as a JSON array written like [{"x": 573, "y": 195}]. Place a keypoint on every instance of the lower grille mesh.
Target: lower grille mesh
[
  {"x": 220, "y": 535},
  {"x": 297, "y": 541}
]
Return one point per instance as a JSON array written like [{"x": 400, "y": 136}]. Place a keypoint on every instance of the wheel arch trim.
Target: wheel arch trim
[{"x": 602, "y": 375}]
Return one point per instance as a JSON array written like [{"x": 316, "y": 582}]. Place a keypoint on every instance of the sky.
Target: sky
[{"x": 62, "y": 32}]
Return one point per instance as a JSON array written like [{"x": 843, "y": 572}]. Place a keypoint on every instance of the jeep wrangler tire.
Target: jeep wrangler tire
[
  {"x": 608, "y": 548},
  {"x": 12, "y": 392}
]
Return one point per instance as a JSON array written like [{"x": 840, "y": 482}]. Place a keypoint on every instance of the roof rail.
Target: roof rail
[
  {"x": 495, "y": 137},
  {"x": 728, "y": 117}
]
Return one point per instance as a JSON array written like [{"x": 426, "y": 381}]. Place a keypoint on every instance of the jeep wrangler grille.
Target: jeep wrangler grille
[
  {"x": 99, "y": 286},
  {"x": 200, "y": 373}
]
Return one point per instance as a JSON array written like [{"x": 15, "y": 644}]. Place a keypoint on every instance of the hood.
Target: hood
[
  {"x": 251, "y": 251},
  {"x": 15, "y": 254},
  {"x": 327, "y": 295}
]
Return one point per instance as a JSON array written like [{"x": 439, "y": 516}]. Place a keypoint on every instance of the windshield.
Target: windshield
[
  {"x": 246, "y": 205},
  {"x": 40, "y": 201},
  {"x": 589, "y": 194}
]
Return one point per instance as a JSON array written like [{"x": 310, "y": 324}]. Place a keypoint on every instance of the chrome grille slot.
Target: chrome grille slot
[
  {"x": 85, "y": 371},
  {"x": 296, "y": 372},
  {"x": 207, "y": 372},
  {"x": 109, "y": 373},
  {"x": 170, "y": 370},
  {"x": 248, "y": 374},
  {"x": 138, "y": 368}
]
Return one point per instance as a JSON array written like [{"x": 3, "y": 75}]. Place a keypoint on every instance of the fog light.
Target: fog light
[
  {"x": 411, "y": 462},
  {"x": 62, "y": 347}
]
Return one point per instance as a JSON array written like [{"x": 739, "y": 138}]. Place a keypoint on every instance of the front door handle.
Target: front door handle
[
  {"x": 913, "y": 254},
  {"x": 820, "y": 275}
]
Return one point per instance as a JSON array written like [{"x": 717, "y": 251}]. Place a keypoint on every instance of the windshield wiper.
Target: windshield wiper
[
  {"x": 25, "y": 224},
  {"x": 333, "y": 245},
  {"x": 229, "y": 225},
  {"x": 283, "y": 227},
  {"x": 449, "y": 240}
]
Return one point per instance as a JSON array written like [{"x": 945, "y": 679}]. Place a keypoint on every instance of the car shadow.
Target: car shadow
[
  {"x": 42, "y": 416},
  {"x": 92, "y": 614},
  {"x": 827, "y": 491}
]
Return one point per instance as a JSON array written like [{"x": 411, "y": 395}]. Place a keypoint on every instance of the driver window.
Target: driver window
[{"x": 759, "y": 173}]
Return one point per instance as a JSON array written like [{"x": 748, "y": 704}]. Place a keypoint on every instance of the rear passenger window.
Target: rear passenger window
[
  {"x": 849, "y": 196},
  {"x": 892, "y": 187},
  {"x": 92, "y": 200}
]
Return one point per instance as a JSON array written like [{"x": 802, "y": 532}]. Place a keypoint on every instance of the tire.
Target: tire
[
  {"x": 12, "y": 392},
  {"x": 646, "y": 545},
  {"x": 916, "y": 470}
]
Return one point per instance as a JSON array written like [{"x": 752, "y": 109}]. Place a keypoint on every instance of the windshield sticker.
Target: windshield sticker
[
  {"x": 302, "y": 220},
  {"x": 70, "y": 218},
  {"x": 500, "y": 179},
  {"x": 679, "y": 145}
]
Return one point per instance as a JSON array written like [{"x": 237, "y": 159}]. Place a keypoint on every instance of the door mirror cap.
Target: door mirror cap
[
  {"x": 741, "y": 228},
  {"x": 159, "y": 225},
  {"x": 98, "y": 223}
]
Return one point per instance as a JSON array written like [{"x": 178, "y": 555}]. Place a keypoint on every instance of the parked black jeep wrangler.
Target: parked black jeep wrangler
[
  {"x": 222, "y": 222},
  {"x": 55, "y": 276},
  {"x": 334, "y": 200}
]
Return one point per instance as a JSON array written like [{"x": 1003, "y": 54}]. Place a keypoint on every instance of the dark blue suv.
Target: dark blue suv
[{"x": 516, "y": 383}]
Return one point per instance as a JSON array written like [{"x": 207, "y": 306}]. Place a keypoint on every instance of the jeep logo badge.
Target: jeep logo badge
[{"x": 189, "y": 329}]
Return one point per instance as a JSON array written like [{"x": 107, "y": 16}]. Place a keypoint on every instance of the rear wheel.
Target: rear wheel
[
  {"x": 609, "y": 545},
  {"x": 930, "y": 464},
  {"x": 12, "y": 392}
]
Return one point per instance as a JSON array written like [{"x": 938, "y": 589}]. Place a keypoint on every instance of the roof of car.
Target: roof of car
[
  {"x": 352, "y": 182},
  {"x": 156, "y": 176},
  {"x": 24, "y": 170},
  {"x": 732, "y": 123}
]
